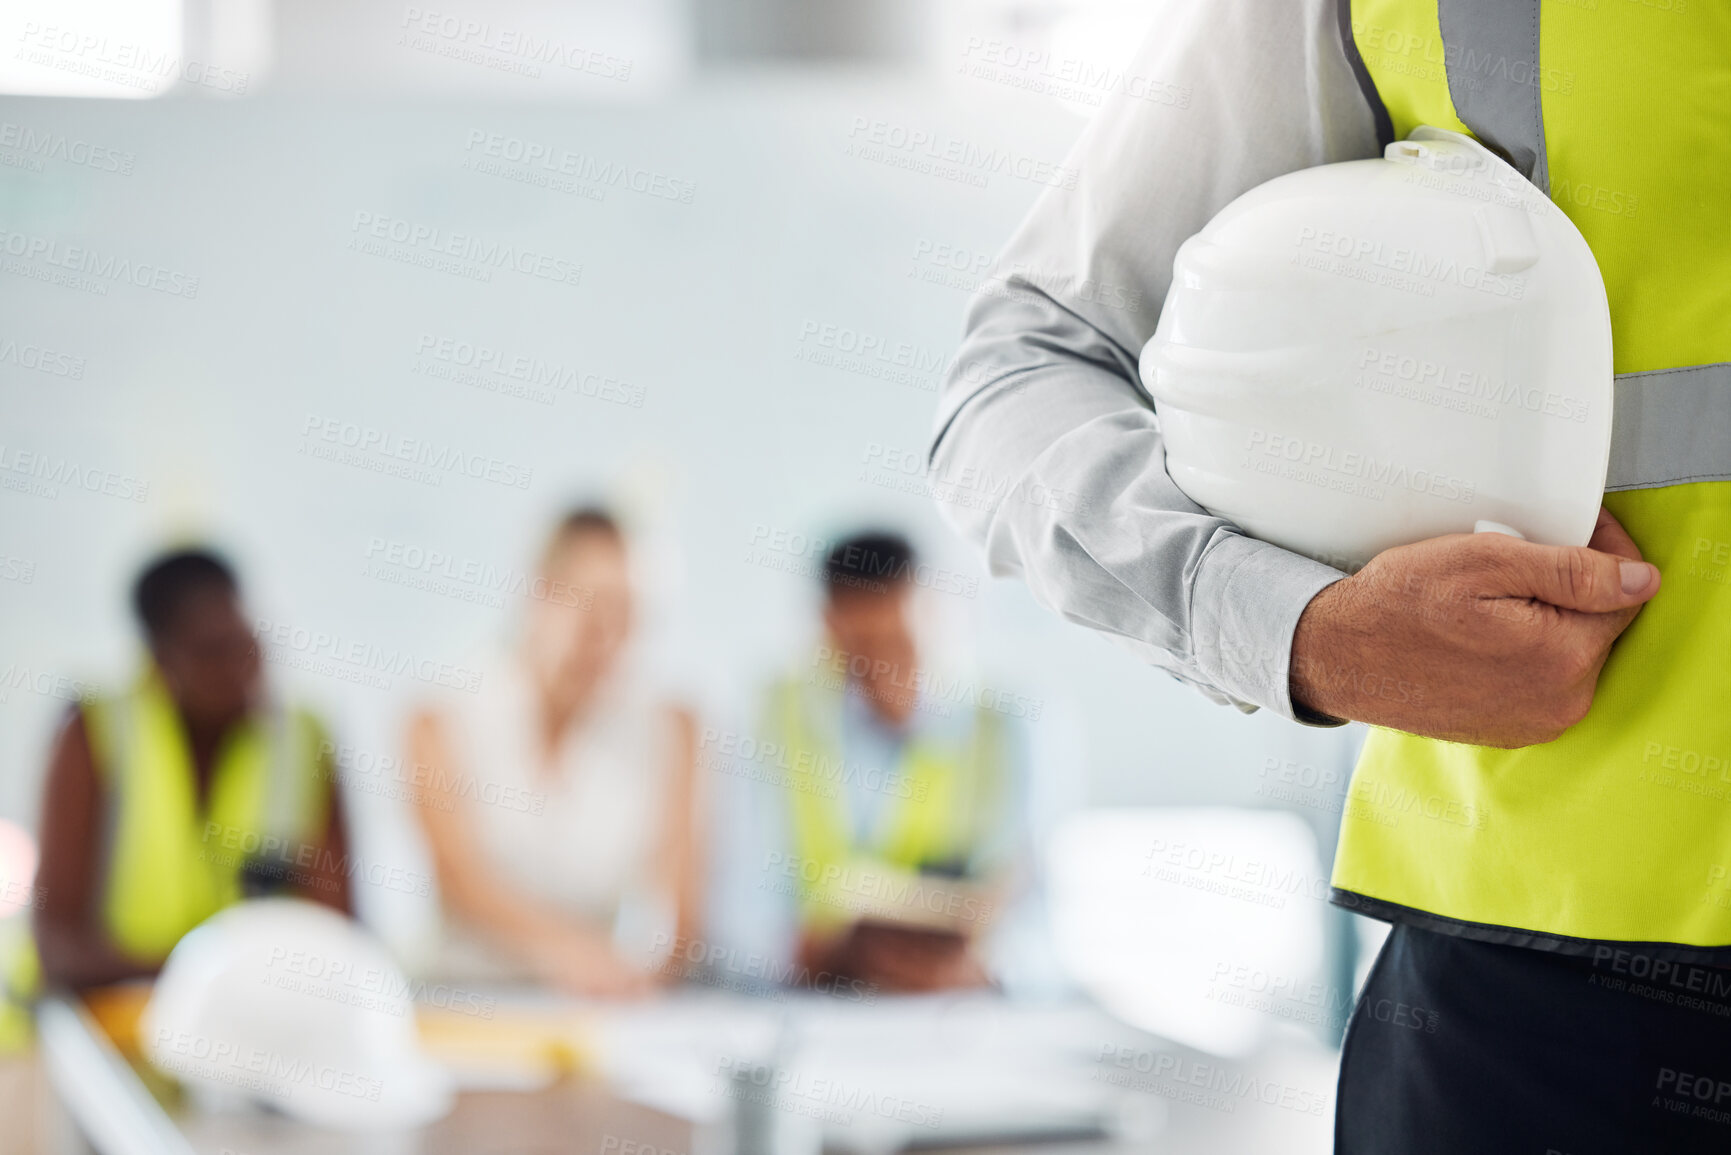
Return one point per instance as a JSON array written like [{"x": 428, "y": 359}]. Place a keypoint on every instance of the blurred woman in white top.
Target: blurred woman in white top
[{"x": 562, "y": 793}]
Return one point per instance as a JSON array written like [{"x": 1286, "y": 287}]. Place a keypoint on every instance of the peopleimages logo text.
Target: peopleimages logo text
[
  {"x": 466, "y": 247},
  {"x": 579, "y": 166},
  {"x": 95, "y": 263},
  {"x": 1423, "y": 267},
  {"x": 1365, "y": 467},
  {"x": 524, "y": 45},
  {"x": 50, "y": 145},
  {"x": 292, "y": 639},
  {"x": 418, "y": 451},
  {"x": 880, "y": 139},
  {"x": 1470, "y": 383}
]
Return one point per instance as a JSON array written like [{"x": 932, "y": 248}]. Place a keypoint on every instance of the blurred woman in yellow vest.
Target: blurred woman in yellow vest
[
  {"x": 183, "y": 795},
  {"x": 560, "y": 804}
]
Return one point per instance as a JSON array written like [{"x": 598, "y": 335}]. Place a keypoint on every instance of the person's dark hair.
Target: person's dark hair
[
  {"x": 578, "y": 521},
  {"x": 167, "y": 583},
  {"x": 874, "y": 561}
]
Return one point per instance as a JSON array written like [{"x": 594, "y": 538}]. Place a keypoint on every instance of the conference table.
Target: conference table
[{"x": 1009, "y": 1078}]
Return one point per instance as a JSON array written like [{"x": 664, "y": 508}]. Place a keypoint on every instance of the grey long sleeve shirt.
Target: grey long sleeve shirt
[{"x": 1044, "y": 392}]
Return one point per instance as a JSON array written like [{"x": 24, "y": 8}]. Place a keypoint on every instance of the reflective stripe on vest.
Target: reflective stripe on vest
[
  {"x": 1620, "y": 830},
  {"x": 170, "y": 865},
  {"x": 941, "y": 795}
]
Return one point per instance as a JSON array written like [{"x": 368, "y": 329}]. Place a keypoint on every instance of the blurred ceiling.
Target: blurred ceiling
[{"x": 530, "y": 50}]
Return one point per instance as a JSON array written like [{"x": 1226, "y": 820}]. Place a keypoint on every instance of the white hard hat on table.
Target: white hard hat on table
[
  {"x": 1361, "y": 355},
  {"x": 290, "y": 1004}
]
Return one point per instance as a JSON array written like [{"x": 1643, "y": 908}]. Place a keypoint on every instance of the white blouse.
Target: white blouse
[{"x": 580, "y": 833}]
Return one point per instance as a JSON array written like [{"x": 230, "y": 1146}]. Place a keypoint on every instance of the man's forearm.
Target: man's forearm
[{"x": 1085, "y": 512}]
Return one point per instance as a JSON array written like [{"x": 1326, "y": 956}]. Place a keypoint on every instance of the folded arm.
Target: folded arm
[{"x": 1043, "y": 415}]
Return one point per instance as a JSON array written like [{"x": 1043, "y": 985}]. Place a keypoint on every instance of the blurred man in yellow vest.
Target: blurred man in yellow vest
[
  {"x": 905, "y": 831},
  {"x": 184, "y": 794}
]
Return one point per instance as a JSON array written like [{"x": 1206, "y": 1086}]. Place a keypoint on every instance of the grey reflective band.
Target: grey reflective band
[
  {"x": 1671, "y": 427},
  {"x": 1491, "y": 56},
  {"x": 1355, "y": 61}
]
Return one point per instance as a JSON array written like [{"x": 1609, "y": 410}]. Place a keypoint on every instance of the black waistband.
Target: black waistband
[{"x": 1656, "y": 959}]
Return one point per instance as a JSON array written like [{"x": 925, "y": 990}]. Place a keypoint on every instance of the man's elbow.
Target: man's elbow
[{"x": 965, "y": 506}]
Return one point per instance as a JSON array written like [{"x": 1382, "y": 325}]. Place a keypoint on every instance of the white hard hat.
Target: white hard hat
[
  {"x": 290, "y": 1004},
  {"x": 1362, "y": 355}
]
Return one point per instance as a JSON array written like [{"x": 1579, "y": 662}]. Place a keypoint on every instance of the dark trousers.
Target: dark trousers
[{"x": 1459, "y": 1047}]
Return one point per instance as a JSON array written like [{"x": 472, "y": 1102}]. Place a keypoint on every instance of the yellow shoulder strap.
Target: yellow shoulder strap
[
  {"x": 818, "y": 808},
  {"x": 952, "y": 795}
]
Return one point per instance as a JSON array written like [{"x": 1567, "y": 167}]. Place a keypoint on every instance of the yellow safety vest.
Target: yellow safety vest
[
  {"x": 171, "y": 864},
  {"x": 946, "y": 797},
  {"x": 20, "y": 978},
  {"x": 1620, "y": 830}
]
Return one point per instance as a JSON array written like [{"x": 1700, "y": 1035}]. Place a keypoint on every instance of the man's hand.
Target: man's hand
[{"x": 1479, "y": 638}]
